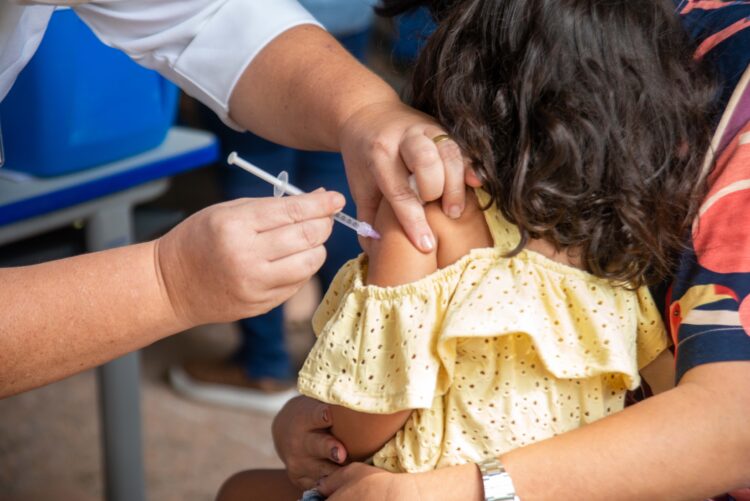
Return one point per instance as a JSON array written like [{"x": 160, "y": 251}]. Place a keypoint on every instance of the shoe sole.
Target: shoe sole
[{"x": 241, "y": 398}]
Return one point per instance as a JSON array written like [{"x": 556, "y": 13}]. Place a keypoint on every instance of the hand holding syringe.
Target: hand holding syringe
[{"x": 281, "y": 186}]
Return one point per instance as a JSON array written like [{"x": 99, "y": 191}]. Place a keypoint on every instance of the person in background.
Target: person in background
[{"x": 259, "y": 374}]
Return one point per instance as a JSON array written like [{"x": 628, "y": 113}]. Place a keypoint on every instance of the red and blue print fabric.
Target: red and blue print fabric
[{"x": 708, "y": 305}]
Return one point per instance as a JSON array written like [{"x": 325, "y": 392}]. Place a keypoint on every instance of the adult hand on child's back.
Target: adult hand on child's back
[
  {"x": 301, "y": 434},
  {"x": 242, "y": 258},
  {"x": 386, "y": 143}
]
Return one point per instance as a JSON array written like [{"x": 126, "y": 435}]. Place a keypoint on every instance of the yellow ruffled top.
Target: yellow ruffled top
[{"x": 492, "y": 352}]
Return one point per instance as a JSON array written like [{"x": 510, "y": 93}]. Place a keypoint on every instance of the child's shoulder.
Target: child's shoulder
[{"x": 393, "y": 260}]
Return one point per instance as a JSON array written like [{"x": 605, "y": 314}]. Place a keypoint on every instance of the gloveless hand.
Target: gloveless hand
[
  {"x": 301, "y": 434},
  {"x": 383, "y": 144},
  {"x": 242, "y": 258}
]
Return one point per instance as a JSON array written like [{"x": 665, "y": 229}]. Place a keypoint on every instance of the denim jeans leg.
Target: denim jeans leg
[{"x": 262, "y": 352}]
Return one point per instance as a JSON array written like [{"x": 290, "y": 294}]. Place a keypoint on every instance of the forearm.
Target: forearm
[
  {"x": 65, "y": 316},
  {"x": 302, "y": 88},
  {"x": 688, "y": 443},
  {"x": 364, "y": 434}
]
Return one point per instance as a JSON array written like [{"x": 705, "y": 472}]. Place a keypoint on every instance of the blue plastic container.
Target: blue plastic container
[{"x": 79, "y": 104}]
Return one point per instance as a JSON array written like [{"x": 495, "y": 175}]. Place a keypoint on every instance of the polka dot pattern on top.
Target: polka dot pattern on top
[{"x": 493, "y": 352}]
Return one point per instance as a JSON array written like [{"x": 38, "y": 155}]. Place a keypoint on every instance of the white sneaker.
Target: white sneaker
[{"x": 232, "y": 389}]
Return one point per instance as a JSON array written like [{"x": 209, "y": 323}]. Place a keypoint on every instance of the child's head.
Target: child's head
[{"x": 587, "y": 120}]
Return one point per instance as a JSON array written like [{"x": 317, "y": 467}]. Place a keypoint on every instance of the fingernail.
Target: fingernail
[
  {"x": 427, "y": 243},
  {"x": 335, "y": 454},
  {"x": 338, "y": 201},
  {"x": 454, "y": 211},
  {"x": 326, "y": 416}
]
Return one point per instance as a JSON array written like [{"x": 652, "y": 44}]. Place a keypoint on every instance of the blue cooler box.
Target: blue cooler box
[{"x": 79, "y": 104}]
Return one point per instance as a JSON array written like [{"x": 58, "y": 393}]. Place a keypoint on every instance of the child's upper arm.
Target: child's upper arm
[{"x": 393, "y": 260}]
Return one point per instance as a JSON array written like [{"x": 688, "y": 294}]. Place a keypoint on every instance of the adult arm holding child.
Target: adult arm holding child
[{"x": 668, "y": 447}]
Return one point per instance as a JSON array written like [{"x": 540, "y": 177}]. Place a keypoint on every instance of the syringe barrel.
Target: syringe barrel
[{"x": 346, "y": 220}]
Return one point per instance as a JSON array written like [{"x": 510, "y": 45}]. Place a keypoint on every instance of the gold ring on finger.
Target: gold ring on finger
[{"x": 442, "y": 137}]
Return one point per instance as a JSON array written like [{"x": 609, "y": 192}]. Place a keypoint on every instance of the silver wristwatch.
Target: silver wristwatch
[{"x": 497, "y": 483}]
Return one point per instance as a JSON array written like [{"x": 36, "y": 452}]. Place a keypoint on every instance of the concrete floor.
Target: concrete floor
[{"x": 49, "y": 437}]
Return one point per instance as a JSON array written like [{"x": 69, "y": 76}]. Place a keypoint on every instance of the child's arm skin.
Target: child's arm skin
[
  {"x": 660, "y": 374},
  {"x": 393, "y": 260}
]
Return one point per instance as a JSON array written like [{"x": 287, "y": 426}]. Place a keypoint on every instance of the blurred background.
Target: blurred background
[{"x": 50, "y": 445}]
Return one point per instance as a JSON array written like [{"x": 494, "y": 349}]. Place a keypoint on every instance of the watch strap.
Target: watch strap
[{"x": 498, "y": 485}]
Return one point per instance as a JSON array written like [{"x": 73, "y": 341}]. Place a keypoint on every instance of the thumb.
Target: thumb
[
  {"x": 327, "y": 445},
  {"x": 320, "y": 417}
]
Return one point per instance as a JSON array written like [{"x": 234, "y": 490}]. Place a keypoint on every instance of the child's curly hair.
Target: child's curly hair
[{"x": 588, "y": 121}]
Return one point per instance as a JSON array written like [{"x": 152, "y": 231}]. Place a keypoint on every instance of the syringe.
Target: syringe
[{"x": 281, "y": 186}]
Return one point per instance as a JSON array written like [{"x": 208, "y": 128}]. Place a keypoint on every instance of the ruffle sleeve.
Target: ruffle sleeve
[
  {"x": 580, "y": 326},
  {"x": 376, "y": 348}
]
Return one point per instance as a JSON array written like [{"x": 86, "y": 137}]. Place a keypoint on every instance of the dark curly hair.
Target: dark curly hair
[{"x": 588, "y": 121}]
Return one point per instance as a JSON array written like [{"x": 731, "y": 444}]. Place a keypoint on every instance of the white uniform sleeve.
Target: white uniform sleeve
[{"x": 201, "y": 45}]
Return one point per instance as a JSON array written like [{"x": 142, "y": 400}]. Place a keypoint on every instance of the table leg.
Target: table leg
[{"x": 119, "y": 390}]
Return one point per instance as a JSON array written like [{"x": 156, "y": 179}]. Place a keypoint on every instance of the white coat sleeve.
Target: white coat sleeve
[{"x": 201, "y": 45}]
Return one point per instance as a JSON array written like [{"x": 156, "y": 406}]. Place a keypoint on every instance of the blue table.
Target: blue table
[{"x": 104, "y": 197}]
